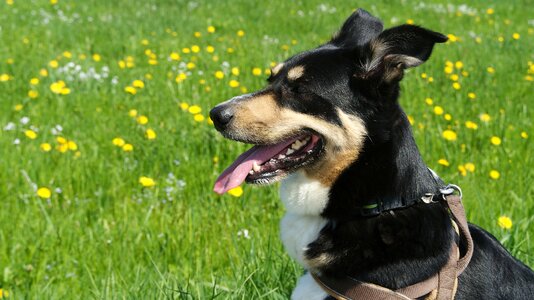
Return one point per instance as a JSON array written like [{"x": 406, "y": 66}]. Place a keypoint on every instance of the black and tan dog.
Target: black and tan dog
[{"x": 329, "y": 126}]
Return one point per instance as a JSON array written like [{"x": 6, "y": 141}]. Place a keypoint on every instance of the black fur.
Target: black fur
[{"x": 359, "y": 72}]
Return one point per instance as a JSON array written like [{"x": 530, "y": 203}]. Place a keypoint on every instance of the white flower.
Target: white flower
[
  {"x": 16, "y": 142},
  {"x": 24, "y": 120},
  {"x": 243, "y": 233},
  {"x": 9, "y": 126}
]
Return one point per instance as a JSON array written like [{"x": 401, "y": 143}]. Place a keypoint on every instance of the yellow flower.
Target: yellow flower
[
  {"x": 210, "y": 49},
  {"x": 411, "y": 120},
  {"x": 153, "y": 62},
  {"x": 184, "y": 106},
  {"x": 516, "y": 36},
  {"x": 63, "y": 148},
  {"x": 490, "y": 70},
  {"x": 64, "y": 91},
  {"x": 443, "y": 162},
  {"x": 449, "y": 135},
  {"x": 186, "y": 50},
  {"x": 256, "y": 71},
  {"x": 235, "y": 71},
  {"x": 150, "y": 134},
  {"x": 145, "y": 42},
  {"x": 448, "y": 70},
  {"x": 504, "y": 222},
  {"x": 438, "y": 110},
  {"x": 233, "y": 83},
  {"x": 130, "y": 90},
  {"x": 409, "y": 21},
  {"x": 211, "y": 29},
  {"x": 471, "y": 95},
  {"x": 97, "y": 57},
  {"x": 447, "y": 117},
  {"x": 490, "y": 11},
  {"x": 53, "y": 64},
  {"x": 5, "y": 293},
  {"x": 67, "y": 54},
  {"x": 34, "y": 81},
  {"x": 524, "y": 134},
  {"x": 44, "y": 193},
  {"x": 458, "y": 65},
  {"x": 72, "y": 145},
  {"x": 471, "y": 125},
  {"x": 146, "y": 181},
  {"x": 138, "y": 84},
  {"x": 142, "y": 120},
  {"x": 495, "y": 140},
  {"x": 32, "y": 135},
  {"x": 462, "y": 170},
  {"x": 195, "y": 49},
  {"x": 119, "y": 142},
  {"x": 127, "y": 147},
  {"x": 45, "y": 147},
  {"x": 456, "y": 86},
  {"x": 43, "y": 72},
  {"x": 195, "y": 109},
  {"x": 485, "y": 117},
  {"x": 197, "y": 34},
  {"x": 494, "y": 174},
  {"x": 61, "y": 140},
  {"x": 132, "y": 113},
  {"x": 219, "y": 75},
  {"x": 236, "y": 192},
  {"x": 175, "y": 56},
  {"x": 470, "y": 167},
  {"x": 33, "y": 94},
  {"x": 190, "y": 65},
  {"x": 180, "y": 77},
  {"x": 430, "y": 79},
  {"x": 240, "y": 33},
  {"x": 198, "y": 117},
  {"x": 454, "y": 77}
]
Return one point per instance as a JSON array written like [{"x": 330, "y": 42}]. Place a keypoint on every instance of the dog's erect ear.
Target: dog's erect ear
[
  {"x": 357, "y": 30},
  {"x": 399, "y": 48}
]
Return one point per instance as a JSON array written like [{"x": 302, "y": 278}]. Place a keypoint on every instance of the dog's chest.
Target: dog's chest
[{"x": 304, "y": 200}]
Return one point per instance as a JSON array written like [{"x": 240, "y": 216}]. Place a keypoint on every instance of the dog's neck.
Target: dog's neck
[{"x": 389, "y": 165}]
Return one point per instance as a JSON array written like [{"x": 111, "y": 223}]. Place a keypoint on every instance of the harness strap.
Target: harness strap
[{"x": 445, "y": 282}]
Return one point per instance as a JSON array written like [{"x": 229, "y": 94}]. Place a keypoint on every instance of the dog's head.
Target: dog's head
[{"x": 320, "y": 105}]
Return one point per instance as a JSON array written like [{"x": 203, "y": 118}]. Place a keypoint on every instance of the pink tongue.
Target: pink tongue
[{"x": 235, "y": 174}]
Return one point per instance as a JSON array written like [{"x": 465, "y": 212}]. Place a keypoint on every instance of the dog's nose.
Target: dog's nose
[{"x": 221, "y": 115}]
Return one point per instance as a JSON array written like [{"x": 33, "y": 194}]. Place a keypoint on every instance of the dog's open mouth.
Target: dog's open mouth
[{"x": 264, "y": 164}]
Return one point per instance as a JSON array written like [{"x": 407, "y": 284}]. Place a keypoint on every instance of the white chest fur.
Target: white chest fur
[{"x": 304, "y": 200}]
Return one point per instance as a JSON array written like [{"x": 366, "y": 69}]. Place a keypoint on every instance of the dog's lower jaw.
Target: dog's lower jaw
[{"x": 304, "y": 200}]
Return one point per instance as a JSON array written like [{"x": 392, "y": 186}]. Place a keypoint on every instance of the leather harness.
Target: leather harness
[{"x": 441, "y": 286}]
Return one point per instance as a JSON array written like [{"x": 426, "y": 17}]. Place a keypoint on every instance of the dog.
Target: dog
[{"x": 328, "y": 125}]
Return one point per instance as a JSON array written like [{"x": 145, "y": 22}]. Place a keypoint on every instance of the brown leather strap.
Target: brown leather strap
[
  {"x": 445, "y": 281},
  {"x": 454, "y": 202}
]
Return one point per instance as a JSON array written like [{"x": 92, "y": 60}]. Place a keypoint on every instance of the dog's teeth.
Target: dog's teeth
[
  {"x": 281, "y": 156},
  {"x": 251, "y": 172},
  {"x": 289, "y": 151},
  {"x": 256, "y": 167}
]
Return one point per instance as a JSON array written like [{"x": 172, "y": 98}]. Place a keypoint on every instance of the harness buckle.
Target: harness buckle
[
  {"x": 428, "y": 198},
  {"x": 451, "y": 189}
]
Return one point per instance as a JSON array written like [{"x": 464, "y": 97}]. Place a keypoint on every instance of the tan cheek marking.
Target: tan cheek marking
[
  {"x": 340, "y": 152},
  {"x": 295, "y": 73},
  {"x": 277, "y": 68},
  {"x": 255, "y": 115},
  {"x": 320, "y": 261}
]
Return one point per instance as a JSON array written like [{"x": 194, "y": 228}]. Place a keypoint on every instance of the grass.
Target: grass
[{"x": 102, "y": 235}]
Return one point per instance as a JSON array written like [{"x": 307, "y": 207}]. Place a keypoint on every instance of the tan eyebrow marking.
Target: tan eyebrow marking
[
  {"x": 277, "y": 68},
  {"x": 295, "y": 73}
]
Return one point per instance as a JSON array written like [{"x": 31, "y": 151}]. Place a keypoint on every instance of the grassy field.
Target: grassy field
[{"x": 107, "y": 156}]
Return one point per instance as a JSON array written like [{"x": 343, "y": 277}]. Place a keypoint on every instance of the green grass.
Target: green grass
[{"x": 102, "y": 235}]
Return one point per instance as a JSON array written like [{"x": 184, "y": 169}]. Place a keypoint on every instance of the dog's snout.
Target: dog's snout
[{"x": 221, "y": 115}]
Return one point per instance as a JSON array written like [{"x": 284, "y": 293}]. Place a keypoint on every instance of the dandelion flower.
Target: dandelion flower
[
  {"x": 490, "y": 70},
  {"x": 524, "y": 134},
  {"x": 198, "y": 117},
  {"x": 175, "y": 56},
  {"x": 485, "y": 117},
  {"x": 34, "y": 81},
  {"x": 142, "y": 120},
  {"x": 233, "y": 83},
  {"x": 516, "y": 36},
  {"x": 471, "y": 96},
  {"x": 72, "y": 145},
  {"x": 138, "y": 84},
  {"x": 504, "y": 222},
  {"x": 495, "y": 140},
  {"x": 235, "y": 71},
  {"x": 97, "y": 57},
  {"x": 447, "y": 117},
  {"x": 456, "y": 86},
  {"x": 454, "y": 77},
  {"x": 449, "y": 135},
  {"x": 219, "y": 75},
  {"x": 127, "y": 147},
  {"x": 132, "y": 113},
  {"x": 490, "y": 11},
  {"x": 61, "y": 140},
  {"x": 210, "y": 49},
  {"x": 32, "y": 135},
  {"x": 438, "y": 110},
  {"x": 462, "y": 170},
  {"x": 471, "y": 125},
  {"x": 448, "y": 70},
  {"x": 53, "y": 64},
  {"x": 494, "y": 174},
  {"x": 46, "y": 147},
  {"x": 411, "y": 120},
  {"x": 236, "y": 192},
  {"x": 256, "y": 71},
  {"x": 470, "y": 167},
  {"x": 240, "y": 33},
  {"x": 190, "y": 65},
  {"x": 4, "y": 293},
  {"x": 184, "y": 106},
  {"x": 211, "y": 29},
  {"x": 119, "y": 142},
  {"x": 195, "y": 109},
  {"x": 33, "y": 94},
  {"x": 443, "y": 162},
  {"x": 150, "y": 134},
  {"x": 130, "y": 90},
  {"x": 195, "y": 49},
  {"x": 146, "y": 181},
  {"x": 458, "y": 65},
  {"x": 409, "y": 21},
  {"x": 429, "y": 101},
  {"x": 44, "y": 193}
]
